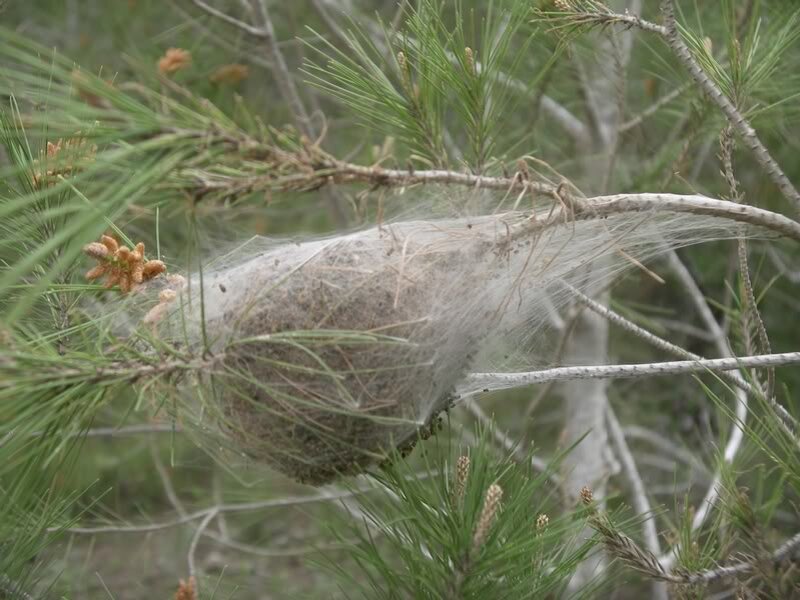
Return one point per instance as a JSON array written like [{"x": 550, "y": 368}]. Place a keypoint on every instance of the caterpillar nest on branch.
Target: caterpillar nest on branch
[{"x": 331, "y": 352}]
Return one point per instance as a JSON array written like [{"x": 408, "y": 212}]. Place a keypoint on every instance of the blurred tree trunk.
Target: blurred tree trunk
[{"x": 592, "y": 461}]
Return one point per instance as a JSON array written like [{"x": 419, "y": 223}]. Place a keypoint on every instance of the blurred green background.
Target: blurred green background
[{"x": 674, "y": 150}]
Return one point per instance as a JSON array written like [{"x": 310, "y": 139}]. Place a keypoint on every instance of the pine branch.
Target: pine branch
[
  {"x": 113, "y": 371},
  {"x": 577, "y": 13},
  {"x": 280, "y": 71},
  {"x": 489, "y": 382},
  {"x": 600, "y": 206},
  {"x": 751, "y": 315},
  {"x": 786, "y": 420},
  {"x": 313, "y": 168},
  {"x": 629, "y": 552},
  {"x": 736, "y": 119}
]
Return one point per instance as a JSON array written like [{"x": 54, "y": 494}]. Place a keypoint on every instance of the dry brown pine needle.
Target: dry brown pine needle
[
  {"x": 120, "y": 265},
  {"x": 174, "y": 60}
]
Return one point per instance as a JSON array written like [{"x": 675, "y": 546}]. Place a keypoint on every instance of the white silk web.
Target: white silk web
[{"x": 330, "y": 352}]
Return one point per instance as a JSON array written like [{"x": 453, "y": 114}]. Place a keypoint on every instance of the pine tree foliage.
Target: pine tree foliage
[
  {"x": 458, "y": 63},
  {"x": 474, "y": 525},
  {"x": 180, "y": 149}
]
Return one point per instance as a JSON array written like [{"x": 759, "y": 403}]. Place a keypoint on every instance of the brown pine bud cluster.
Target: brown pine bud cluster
[
  {"x": 564, "y": 5},
  {"x": 87, "y": 91},
  {"x": 187, "y": 590},
  {"x": 120, "y": 265},
  {"x": 230, "y": 74},
  {"x": 64, "y": 157},
  {"x": 174, "y": 60},
  {"x": 587, "y": 495},
  {"x": 461, "y": 476},
  {"x": 491, "y": 504},
  {"x": 542, "y": 521}
]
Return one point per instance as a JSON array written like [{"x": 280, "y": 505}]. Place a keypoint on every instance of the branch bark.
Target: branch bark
[
  {"x": 491, "y": 382},
  {"x": 671, "y": 34},
  {"x": 736, "y": 119}
]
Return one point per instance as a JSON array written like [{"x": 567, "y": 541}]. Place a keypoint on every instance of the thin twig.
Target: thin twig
[
  {"x": 166, "y": 481},
  {"x": 489, "y": 382},
  {"x": 664, "y": 444},
  {"x": 226, "y": 18},
  {"x": 788, "y": 423},
  {"x": 216, "y": 491},
  {"x": 792, "y": 275},
  {"x": 751, "y": 316},
  {"x": 274, "y": 552},
  {"x": 640, "y": 502},
  {"x": 651, "y": 338},
  {"x": 280, "y": 70},
  {"x": 196, "y": 540},
  {"x": 653, "y": 108},
  {"x": 607, "y": 17},
  {"x": 504, "y": 440},
  {"x": 699, "y": 205},
  {"x": 324, "y": 496},
  {"x": 217, "y": 40},
  {"x": 784, "y": 552},
  {"x": 645, "y": 562}
]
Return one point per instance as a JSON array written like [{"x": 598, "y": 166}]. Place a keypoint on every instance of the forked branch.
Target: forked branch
[{"x": 601, "y": 16}]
